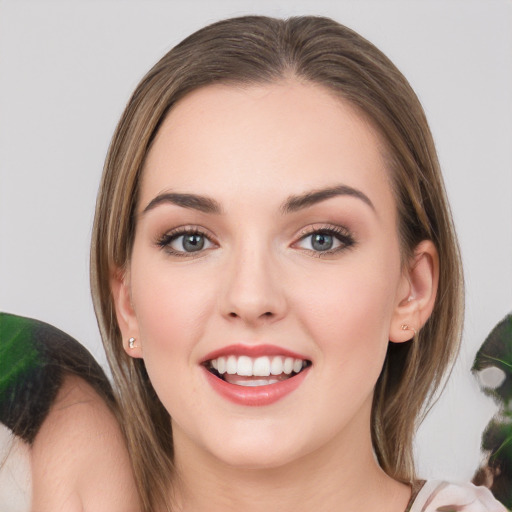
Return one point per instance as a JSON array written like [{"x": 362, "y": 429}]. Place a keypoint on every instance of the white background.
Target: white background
[{"x": 67, "y": 69}]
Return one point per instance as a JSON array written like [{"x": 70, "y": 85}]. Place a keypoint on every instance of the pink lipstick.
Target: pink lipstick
[{"x": 255, "y": 375}]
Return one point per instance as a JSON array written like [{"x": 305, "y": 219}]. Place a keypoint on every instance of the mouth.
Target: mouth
[{"x": 243, "y": 370}]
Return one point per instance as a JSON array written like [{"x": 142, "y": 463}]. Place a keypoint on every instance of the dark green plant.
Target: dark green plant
[
  {"x": 34, "y": 358},
  {"x": 496, "y": 353}
]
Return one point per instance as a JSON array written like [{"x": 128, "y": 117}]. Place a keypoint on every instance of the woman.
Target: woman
[{"x": 276, "y": 274}]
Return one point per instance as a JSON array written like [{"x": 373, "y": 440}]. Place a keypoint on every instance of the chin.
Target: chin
[
  {"x": 256, "y": 459},
  {"x": 259, "y": 449}
]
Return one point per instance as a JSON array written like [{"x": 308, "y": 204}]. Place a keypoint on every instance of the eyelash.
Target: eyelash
[
  {"x": 164, "y": 242},
  {"x": 339, "y": 233}
]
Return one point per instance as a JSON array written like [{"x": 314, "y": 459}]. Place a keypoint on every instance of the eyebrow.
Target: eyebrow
[
  {"x": 193, "y": 201},
  {"x": 299, "y": 202},
  {"x": 292, "y": 204}
]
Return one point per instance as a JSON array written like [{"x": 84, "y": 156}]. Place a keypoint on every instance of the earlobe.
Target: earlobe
[
  {"x": 125, "y": 313},
  {"x": 417, "y": 293}
]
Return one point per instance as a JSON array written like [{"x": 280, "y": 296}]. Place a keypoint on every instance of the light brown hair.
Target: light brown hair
[{"x": 256, "y": 50}]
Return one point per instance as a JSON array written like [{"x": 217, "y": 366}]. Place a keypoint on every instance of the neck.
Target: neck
[{"x": 341, "y": 475}]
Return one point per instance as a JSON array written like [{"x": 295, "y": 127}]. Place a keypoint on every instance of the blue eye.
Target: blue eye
[
  {"x": 189, "y": 243},
  {"x": 322, "y": 241},
  {"x": 327, "y": 241},
  {"x": 184, "y": 242}
]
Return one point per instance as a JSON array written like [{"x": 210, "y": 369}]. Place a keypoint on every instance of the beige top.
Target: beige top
[{"x": 440, "y": 496}]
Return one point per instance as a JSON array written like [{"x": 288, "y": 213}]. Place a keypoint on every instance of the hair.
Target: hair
[{"x": 260, "y": 50}]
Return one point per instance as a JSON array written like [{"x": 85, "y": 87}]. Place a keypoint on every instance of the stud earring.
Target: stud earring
[
  {"x": 405, "y": 327},
  {"x": 131, "y": 343}
]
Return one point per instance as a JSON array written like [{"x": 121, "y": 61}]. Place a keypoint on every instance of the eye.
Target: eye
[
  {"x": 322, "y": 241},
  {"x": 182, "y": 242},
  {"x": 189, "y": 243},
  {"x": 326, "y": 240}
]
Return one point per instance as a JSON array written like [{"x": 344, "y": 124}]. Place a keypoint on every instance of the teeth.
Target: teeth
[
  {"x": 244, "y": 366},
  {"x": 263, "y": 366},
  {"x": 288, "y": 365},
  {"x": 231, "y": 365},
  {"x": 276, "y": 367},
  {"x": 253, "y": 382},
  {"x": 297, "y": 365}
]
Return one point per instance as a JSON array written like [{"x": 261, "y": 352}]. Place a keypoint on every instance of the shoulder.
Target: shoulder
[
  {"x": 440, "y": 495},
  {"x": 79, "y": 458}
]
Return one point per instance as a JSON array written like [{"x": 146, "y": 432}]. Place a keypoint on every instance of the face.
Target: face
[{"x": 265, "y": 280}]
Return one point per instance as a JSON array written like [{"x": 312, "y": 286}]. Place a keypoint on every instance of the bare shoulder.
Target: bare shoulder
[{"x": 79, "y": 459}]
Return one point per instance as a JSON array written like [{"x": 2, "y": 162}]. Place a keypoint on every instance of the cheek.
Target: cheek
[
  {"x": 349, "y": 309},
  {"x": 168, "y": 307}
]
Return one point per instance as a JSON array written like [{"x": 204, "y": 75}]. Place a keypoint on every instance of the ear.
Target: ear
[
  {"x": 416, "y": 293},
  {"x": 125, "y": 313}
]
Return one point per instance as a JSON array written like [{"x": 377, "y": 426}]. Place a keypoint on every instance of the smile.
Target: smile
[
  {"x": 255, "y": 375},
  {"x": 242, "y": 370}
]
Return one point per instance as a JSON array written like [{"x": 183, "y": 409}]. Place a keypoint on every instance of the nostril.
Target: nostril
[{"x": 267, "y": 314}]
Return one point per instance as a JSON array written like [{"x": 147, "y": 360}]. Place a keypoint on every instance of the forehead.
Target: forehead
[{"x": 269, "y": 140}]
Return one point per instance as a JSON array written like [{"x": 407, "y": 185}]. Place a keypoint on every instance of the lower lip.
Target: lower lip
[{"x": 257, "y": 395}]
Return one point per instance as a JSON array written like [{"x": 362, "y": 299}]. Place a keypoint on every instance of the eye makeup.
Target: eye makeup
[
  {"x": 317, "y": 240},
  {"x": 326, "y": 240},
  {"x": 193, "y": 240}
]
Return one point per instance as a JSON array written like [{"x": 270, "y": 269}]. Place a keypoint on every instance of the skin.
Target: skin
[
  {"x": 259, "y": 280},
  {"x": 79, "y": 460}
]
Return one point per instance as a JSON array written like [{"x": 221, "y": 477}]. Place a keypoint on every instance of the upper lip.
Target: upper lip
[{"x": 252, "y": 351}]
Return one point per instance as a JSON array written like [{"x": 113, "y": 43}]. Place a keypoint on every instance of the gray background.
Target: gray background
[{"x": 67, "y": 69}]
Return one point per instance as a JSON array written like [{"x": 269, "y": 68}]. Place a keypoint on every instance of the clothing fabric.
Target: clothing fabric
[{"x": 441, "y": 496}]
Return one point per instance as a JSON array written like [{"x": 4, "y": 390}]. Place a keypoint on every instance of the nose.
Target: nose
[{"x": 253, "y": 290}]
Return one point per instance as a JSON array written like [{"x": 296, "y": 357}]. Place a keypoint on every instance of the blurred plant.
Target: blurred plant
[
  {"x": 34, "y": 359},
  {"x": 493, "y": 369}
]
